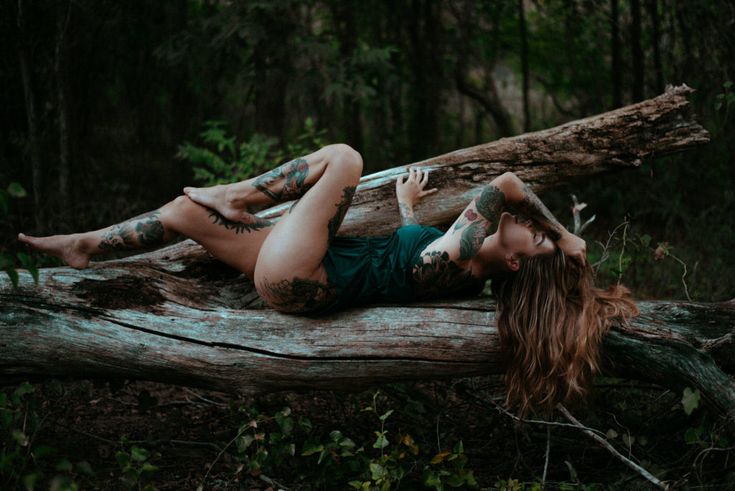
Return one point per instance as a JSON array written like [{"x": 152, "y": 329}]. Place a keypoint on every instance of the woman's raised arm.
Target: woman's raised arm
[{"x": 504, "y": 193}]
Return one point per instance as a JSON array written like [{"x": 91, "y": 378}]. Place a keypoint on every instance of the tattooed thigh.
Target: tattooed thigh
[{"x": 298, "y": 295}]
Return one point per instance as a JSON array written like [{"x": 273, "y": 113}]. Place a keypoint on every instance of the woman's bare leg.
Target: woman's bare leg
[
  {"x": 236, "y": 244},
  {"x": 286, "y": 182},
  {"x": 289, "y": 273}
]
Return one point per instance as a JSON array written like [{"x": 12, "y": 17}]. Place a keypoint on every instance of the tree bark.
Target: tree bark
[
  {"x": 25, "y": 59},
  {"x": 176, "y": 315},
  {"x": 524, "y": 65},
  {"x": 62, "y": 23},
  {"x": 617, "y": 69},
  {"x": 636, "y": 51}
]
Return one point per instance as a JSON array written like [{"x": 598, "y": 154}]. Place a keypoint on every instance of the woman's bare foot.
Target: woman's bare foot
[
  {"x": 230, "y": 203},
  {"x": 67, "y": 247}
]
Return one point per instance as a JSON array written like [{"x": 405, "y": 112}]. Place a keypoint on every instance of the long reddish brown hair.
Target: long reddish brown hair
[{"x": 551, "y": 320}]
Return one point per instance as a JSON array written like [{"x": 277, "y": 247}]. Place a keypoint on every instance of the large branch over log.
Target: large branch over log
[{"x": 175, "y": 315}]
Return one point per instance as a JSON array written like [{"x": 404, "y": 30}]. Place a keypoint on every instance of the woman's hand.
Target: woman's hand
[
  {"x": 574, "y": 247},
  {"x": 410, "y": 189}
]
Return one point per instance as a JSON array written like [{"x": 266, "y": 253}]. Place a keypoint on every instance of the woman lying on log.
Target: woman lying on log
[{"x": 550, "y": 317}]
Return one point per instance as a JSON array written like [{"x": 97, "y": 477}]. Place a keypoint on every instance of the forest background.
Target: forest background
[{"x": 109, "y": 108}]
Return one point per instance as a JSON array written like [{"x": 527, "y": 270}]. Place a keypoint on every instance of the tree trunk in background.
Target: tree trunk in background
[
  {"x": 344, "y": 23},
  {"x": 62, "y": 22},
  {"x": 652, "y": 7},
  {"x": 25, "y": 57},
  {"x": 424, "y": 37},
  {"x": 636, "y": 50},
  {"x": 524, "y": 65},
  {"x": 617, "y": 68}
]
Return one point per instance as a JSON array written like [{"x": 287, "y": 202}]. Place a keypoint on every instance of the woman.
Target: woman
[{"x": 541, "y": 278}]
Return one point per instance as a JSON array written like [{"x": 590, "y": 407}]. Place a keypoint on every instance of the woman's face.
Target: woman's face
[{"x": 519, "y": 236}]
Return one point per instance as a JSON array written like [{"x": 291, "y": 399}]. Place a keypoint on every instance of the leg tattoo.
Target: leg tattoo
[
  {"x": 142, "y": 231},
  {"x": 239, "y": 227},
  {"x": 293, "y": 174},
  {"x": 347, "y": 193},
  {"x": 298, "y": 295}
]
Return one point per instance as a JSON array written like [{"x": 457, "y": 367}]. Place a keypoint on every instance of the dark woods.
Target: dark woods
[{"x": 98, "y": 95}]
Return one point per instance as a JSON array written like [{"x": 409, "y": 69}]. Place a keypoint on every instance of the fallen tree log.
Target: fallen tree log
[{"x": 175, "y": 315}]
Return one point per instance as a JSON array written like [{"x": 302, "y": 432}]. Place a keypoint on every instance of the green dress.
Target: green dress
[{"x": 376, "y": 269}]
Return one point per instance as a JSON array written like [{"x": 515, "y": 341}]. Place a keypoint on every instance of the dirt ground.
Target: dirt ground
[{"x": 185, "y": 431}]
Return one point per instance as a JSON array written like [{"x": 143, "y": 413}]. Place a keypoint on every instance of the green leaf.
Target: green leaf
[
  {"x": 29, "y": 481},
  {"x": 64, "y": 465},
  {"x": 16, "y": 190},
  {"x": 386, "y": 415},
  {"x": 244, "y": 442},
  {"x": 692, "y": 435},
  {"x": 42, "y": 451},
  {"x": 377, "y": 471},
  {"x": 148, "y": 467},
  {"x": 20, "y": 438},
  {"x": 381, "y": 441},
  {"x": 13, "y": 274},
  {"x": 123, "y": 459},
  {"x": 139, "y": 454},
  {"x": 690, "y": 400},
  {"x": 24, "y": 389},
  {"x": 311, "y": 450},
  {"x": 85, "y": 468}
]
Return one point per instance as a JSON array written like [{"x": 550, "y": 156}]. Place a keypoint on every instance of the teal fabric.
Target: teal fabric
[{"x": 376, "y": 269}]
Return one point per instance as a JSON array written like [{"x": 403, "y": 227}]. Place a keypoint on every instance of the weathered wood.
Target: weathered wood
[
  {"x": 114, "y": 323},
  {"x": 176, "y": 315}
]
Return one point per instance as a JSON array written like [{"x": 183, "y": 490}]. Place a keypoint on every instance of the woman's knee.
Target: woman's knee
[
  {"x": 346, "y": 157},
  {"x": 179, "y": 211}
]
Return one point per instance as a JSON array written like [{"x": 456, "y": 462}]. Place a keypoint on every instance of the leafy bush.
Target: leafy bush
[
  {"x": 22, "y": 458},
  {"x": 222, "y": 159}
]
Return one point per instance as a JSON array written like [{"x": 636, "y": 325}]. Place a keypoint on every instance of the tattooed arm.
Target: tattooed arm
[
  {"x": 409, "y": 191},
  {"x": 524, "y": 201}
]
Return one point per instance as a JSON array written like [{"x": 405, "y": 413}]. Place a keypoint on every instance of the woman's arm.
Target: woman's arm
[
  {"x": 522, "y": 200},
  {"x": 506, "y": 192},
  {"x": 409, "y": 191}
]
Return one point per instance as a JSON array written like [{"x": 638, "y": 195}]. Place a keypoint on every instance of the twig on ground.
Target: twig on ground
[
  {"x": 546, "y": 460},
  {"x": 593, "y": 434},
  {"x": 199, "y": 396}
]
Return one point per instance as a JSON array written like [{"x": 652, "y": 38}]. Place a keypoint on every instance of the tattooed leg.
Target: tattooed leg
[
  {"x": 288, "y": 181},
  {"x": 254, "y": 223},
  {"x": 142, "y": 232},
  {"x": 298, "y": 295},
  {"x": 339, "y": 215}
]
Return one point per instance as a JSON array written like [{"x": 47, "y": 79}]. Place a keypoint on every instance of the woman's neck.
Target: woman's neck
[{"x": 490, "y": 259}]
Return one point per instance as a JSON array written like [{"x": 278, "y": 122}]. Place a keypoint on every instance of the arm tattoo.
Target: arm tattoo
[
  {"x": 490, "y": 203},
  {"x": 471, "y": 241},
  {"x": 407, "y": 216},
  {"x": 347, "y": 193},
  {"x": 256, "y": 224},
  {"x": 292, "y": 175},
  {"x": 532, "y": 207},
  {"x": 298, "y": 295},
  {"x": 137, "y": 233}
]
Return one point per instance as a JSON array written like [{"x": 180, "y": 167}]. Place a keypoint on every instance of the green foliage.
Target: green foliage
[
  {"x": 135, "y": 466},
  {"x": 22, "y": 458},
  {"x": 378, "y": 461},
  {"x": 9, "y": 262},
  {"x": 222, "y": 159}
]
